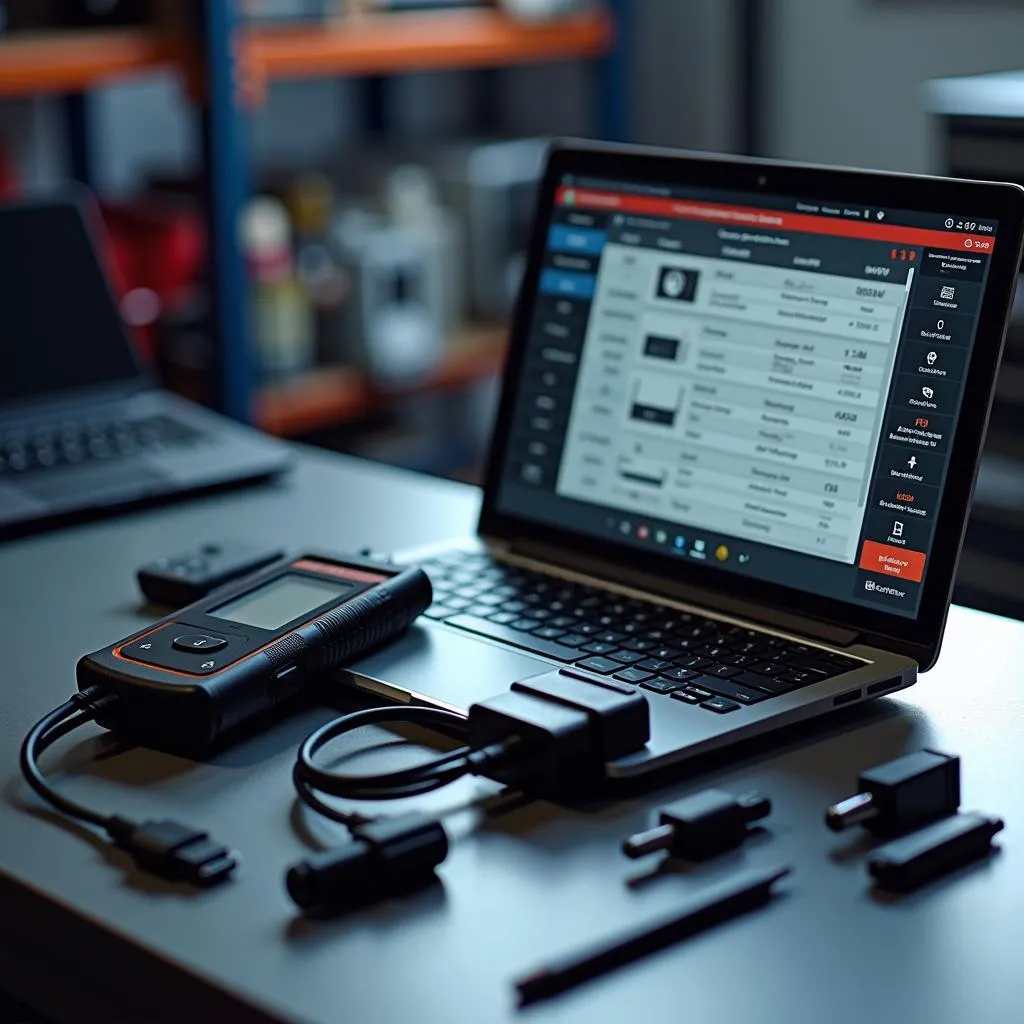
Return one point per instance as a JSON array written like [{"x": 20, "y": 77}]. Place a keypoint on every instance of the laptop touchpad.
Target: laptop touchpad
[{"x": 448, "y": 667}]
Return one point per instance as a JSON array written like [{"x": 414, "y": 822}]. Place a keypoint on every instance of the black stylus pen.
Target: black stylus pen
[{"x": 717, "y": 903}]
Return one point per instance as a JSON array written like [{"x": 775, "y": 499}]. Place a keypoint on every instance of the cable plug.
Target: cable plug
[
  {"x": 701, "y": 826},
  {"x": 556, "y": 732},
  {"x": 173, "y": 851},
  {"x": 902, "y": 795},
  {"x": 386, "y": 858}
]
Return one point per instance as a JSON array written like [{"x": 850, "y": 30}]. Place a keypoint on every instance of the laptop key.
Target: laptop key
[
  {"x": 756, "y": 680},
  {"x": 502, "y": 618},
  {"x": 740, "y": 660},
  {"x": 524, "y": 625},
  {"x": 802, "y": 677},
  {"x": 602, "y": 666},
  {"x": 723, "y": 671},
  {"x": 694, "y": 662},
  {"x": 729, "y": 688},
  {"x": 665, "y": 653},
  {"x": 659, "y": 685},
  {"x": 609, "y": 636},
  {"x": 769, "y": 668},
  {"x": 514, "y": 637},
  {"x": 686, "y": 698},
  {"x": 572, "y": 640},
  {"x": 598, "y": 647},
  {"x": 655, "y": 665},
  {"x": 638, "y": 644},
  {"x": 438, "y": 611},
  {"x": 626, "y": 657},
  {"x": 699, "y": 691},
  {"x": 634, "y": 675},
  {"x": 549, "y": 633},
  {"x": 720, "y": 705},
  {"x": 680, "y": 675},
  {"x": 812, "y": 661},
  {"x": 775, "y": 685}
]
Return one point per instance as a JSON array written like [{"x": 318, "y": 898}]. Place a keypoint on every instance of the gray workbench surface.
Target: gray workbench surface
[{"x": 88, "y": 940}]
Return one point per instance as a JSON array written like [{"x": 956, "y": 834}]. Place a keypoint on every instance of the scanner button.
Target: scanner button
[{"x": 199, "y": 643}]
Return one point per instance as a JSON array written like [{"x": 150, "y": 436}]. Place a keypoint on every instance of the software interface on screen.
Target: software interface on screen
[{"x": 763, "y": 384}]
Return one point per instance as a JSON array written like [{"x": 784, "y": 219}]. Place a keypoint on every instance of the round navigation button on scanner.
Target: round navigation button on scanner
[{"x": 198, "y": 643}]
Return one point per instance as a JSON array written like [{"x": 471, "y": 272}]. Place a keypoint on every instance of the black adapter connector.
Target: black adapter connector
[
  {"x": 175, "y": 852},
  {"x": 387, "y": 857},
  {"x": 901, "y": 796},
  {"x": 701, "y": 826},
  {"x": 565, "y": 728}
]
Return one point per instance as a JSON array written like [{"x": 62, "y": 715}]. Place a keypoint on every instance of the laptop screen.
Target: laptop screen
[
  {"x": 765, "y": 385},
  {"x": 61, "y": 328}
]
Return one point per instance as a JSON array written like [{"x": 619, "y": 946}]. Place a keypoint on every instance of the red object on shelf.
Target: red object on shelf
[
  {"x": 158, "y": 250},
  {"x": 8, "y": 180}
]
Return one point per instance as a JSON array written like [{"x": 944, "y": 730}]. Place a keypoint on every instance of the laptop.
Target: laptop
[
  {"x": 83, "y": 429},
  {"x": 738, "y": 436}
]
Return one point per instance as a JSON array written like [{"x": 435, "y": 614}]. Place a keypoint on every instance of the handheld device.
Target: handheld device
[{"x": 183, "y": 682}]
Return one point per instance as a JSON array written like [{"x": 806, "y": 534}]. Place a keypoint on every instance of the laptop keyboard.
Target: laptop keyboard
[
  {"x": 680, "y": 655},
  {"x": 72, "y": 444}
]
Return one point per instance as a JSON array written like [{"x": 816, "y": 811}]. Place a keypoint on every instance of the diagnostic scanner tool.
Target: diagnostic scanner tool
[{"x": 183, "y": 682}]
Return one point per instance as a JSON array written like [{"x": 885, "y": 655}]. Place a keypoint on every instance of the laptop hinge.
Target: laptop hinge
[{"x": 624, "y": 576}]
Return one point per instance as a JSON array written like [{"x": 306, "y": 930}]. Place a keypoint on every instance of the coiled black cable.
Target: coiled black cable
[{"x": 310, "y": 779}]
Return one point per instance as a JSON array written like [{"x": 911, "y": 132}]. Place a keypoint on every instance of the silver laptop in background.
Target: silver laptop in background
[
  {"x": 739, "y": 431},
  {"x": 83, "y": 429}
]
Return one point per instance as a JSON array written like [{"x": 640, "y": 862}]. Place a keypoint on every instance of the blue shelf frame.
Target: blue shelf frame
[
  {"x": 226, "y": 187},
  {"x": 227, "y": 177}
]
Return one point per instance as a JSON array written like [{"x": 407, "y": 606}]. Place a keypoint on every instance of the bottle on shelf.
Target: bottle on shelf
[
  {"x": 412, "y": 203},
  {"x": 310, "y": 201},
  {"x": 394, "y": 329},
  {"x": 282, "y": 316}
]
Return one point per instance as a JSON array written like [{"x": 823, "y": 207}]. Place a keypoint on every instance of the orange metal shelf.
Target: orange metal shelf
[
  {"x": 75, "y": 61},
  {"x": 334, "y": 395},
  {"x": 379, "y": 44}
]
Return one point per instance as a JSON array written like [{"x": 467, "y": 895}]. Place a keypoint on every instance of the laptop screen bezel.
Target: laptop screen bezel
[
  {"x": 78, "y": 202},
  {"x": 918, "y": 638}
]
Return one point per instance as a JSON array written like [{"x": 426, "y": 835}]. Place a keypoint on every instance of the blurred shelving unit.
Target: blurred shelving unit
[
  {"x": 425, "y": 41},
  {"x": 68, "y": 62},
  {"x": 214, "y": 51}
]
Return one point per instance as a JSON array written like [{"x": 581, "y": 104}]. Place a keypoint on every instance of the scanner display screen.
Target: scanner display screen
[{"x": 280, "y": 601}]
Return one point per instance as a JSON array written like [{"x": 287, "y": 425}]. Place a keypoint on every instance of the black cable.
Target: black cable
[
  {"x": 551, "y": 734},
  {"x": 74, "y": 712},
  {"x": 166, "y": 848},
  {"x": 405, "y": 782}
]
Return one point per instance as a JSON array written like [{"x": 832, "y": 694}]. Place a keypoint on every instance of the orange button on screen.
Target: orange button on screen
[{"x": 888, "y": 560}]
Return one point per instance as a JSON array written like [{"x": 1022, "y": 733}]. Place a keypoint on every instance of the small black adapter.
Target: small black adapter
[
  {"x": 701, "y": 826},
  {"x": 901, "y": 796}
]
